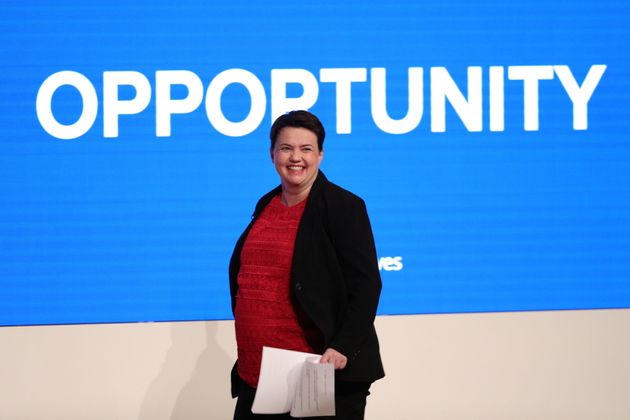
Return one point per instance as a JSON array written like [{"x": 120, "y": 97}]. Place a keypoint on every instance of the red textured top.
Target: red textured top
[{"x": 264, "y": 314}]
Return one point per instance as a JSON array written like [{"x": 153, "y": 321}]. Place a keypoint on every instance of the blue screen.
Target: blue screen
[{"x": 489, "y": 141}]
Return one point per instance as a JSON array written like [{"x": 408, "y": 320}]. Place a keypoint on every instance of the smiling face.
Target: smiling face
[{"x": 296, "y": 157}]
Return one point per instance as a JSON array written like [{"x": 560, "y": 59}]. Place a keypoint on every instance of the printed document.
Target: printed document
[{"x": 294, "y": 382}]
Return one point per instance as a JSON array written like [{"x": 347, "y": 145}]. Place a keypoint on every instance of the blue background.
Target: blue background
[{"x": 140, "y": 228}]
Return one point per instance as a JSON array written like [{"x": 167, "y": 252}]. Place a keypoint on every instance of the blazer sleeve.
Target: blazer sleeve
[{"x": 352, "y": 237}]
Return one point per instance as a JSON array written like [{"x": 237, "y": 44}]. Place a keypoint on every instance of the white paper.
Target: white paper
[
  {"x": 315, "y": 393},
  {"x": 283, "y": 372}
]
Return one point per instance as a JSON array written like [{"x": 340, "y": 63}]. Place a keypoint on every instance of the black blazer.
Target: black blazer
[{"x": 335, "y": 281}]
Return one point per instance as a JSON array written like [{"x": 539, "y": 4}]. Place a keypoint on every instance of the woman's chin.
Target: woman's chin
[{"x": 294, "y": 180}]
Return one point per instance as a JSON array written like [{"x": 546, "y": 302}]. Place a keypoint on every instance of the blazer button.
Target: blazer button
[{"x": 298, "y": 286}]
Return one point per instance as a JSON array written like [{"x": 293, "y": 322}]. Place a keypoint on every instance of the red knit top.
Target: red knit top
[{"x": 264, "y": 314}]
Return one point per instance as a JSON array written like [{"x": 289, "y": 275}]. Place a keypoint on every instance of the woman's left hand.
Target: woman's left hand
[{"x": 334, "y": 357}]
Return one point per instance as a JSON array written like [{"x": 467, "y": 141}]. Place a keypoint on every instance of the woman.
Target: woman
[{"x": 304, "y": 274}]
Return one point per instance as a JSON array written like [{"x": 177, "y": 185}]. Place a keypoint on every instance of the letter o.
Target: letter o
[
  {"x": 256, "y": 111},
  {"x": 44, "y": 101}
]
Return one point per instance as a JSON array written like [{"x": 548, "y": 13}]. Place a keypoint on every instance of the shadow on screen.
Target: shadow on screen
[{"x": 187, "y": 385}]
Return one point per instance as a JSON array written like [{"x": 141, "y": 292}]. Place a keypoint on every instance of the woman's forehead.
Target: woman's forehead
[{"x": 296, "y": 136}]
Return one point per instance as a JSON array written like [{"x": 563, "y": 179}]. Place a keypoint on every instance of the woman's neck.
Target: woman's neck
[{"x": 293, "y": 196}]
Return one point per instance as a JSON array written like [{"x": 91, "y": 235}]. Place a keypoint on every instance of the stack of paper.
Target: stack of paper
[{"x": 295, "y": 382}]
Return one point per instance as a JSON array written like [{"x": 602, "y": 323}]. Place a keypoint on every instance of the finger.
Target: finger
[{"x": 342, "y": 363}]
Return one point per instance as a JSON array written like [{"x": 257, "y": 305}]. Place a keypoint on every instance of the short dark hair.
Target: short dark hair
[{"x": 298, "y": 119}]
